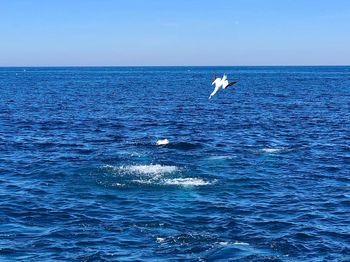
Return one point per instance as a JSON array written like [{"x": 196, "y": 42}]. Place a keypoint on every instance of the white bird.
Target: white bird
[{"x": 220, "y": 82}]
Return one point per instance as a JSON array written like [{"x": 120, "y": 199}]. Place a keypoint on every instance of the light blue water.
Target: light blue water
[{"x": 259, "y": 172}]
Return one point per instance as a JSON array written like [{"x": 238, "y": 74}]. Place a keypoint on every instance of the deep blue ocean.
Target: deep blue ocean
[{"x": 261, "y": 172}]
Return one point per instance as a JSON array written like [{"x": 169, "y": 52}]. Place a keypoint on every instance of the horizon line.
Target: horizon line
[{"x": 48, "y": 66}]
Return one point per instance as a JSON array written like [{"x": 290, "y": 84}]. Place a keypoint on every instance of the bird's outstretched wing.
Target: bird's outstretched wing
[{"x": 231, "y": 83}]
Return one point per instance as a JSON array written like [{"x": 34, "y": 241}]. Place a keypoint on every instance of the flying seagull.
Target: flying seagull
[{"x": 220, "y": 82}]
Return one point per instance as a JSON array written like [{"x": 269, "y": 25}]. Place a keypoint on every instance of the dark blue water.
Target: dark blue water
[{"x": 260, "y": 172}]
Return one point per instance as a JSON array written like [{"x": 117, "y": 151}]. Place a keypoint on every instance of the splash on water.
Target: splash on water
[
  {"x": 186, "y": 182},
  {"x": 152, "y": 169},
  {"x": 153, "y": 174},
  {"x": 162, "y": 142},
  {"x": 271, "y": 150}
]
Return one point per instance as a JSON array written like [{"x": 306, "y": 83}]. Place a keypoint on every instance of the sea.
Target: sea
[{"x": 259, "y": 172}]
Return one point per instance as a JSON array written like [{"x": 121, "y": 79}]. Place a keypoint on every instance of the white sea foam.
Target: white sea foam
[
  {"x": 149, "y": 169},
  {"x": 130, "y": 153},
  {"x": 160, "y": 239},
  {"x": 152, "y": 181},
  {"x": 271, "y": 150},
  {"x": 233, "y": 243},
  {"x": 220, "y": 157},
  {"x": 117, "y": 185},
  {"x": 144, "y": 169},
  {"x": 186, "y": 182},
  {"x": 153, "y": 174},
  {"x": 108, "y": 166},
  {"x": 162, "y": 142}
]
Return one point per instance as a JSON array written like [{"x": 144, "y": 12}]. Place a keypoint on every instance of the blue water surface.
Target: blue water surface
[{"x": 258, "y": 173}]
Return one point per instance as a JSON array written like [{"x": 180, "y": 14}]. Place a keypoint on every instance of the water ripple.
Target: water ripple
[{"x": 258, "y": 174}]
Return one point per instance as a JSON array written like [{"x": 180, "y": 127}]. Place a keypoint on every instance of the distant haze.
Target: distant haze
[{"x": 181, "y": 32}]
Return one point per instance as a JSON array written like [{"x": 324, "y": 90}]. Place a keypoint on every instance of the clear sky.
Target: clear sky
[{"x": 174, "y": 32}]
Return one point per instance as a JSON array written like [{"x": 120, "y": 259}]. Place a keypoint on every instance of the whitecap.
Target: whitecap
[
  {"x": 143, "y": 169},
  {"x": 224, "y": 243},
  {"x": 162, "y": 142},
  {"x": 149, "y": 169},
  {"x": 117, "y": 185},
  {"x": 220, "y": 157},
  {"x": 108, "y": 166},
  {"x": 241, "y": 243},
  {"x": 271, "y": 150},
  {"x": 160, "y": 239},
  {"x": 186, "y": 182},
  {"x": 153, "y": 174},
  {"x": 145, "y": 181},
  {"x": 126, "y": 154}
]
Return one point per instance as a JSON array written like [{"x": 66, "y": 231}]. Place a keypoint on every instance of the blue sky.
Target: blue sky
[{"x": 181, "y": 32}]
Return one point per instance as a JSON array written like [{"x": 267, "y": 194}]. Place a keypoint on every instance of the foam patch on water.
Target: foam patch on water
[
  {"x": 220, "y": 157},
  {"x": 162, "y": 142},
  {"x": 145, "y": 169},
  {"x": 224, "y": 243},
  {"x": 150, "y": 169},
  {"x": 186, "y": 182},
  {"x": 132, "y": 154},
  {"x": 186, "y": 238},
  {"x": 272, "y": 150},
  {"x": 160, "y": 239},
  {"x": 152, "y": 175}
]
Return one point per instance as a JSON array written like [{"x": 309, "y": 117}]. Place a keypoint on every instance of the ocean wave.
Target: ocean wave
[
  {"x": 186, "y": 238},
  {"x": 162, "y": 142},
  {"x": 224, "y": 243},
  {"x": 144, "y": 169},
  {"x": 153, "y": 175},
  {"x": 225, "y": 157},
  {"x": 186, "y": 182},
  {"x": 183, "y": 145},
  {"x": 160, "y": 239},
  {"x": 271, "y": 150},
  {"x": 149, "y": 169},
  {"x": 117, "y": 185}
]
